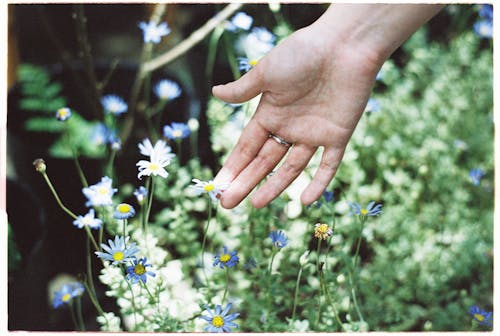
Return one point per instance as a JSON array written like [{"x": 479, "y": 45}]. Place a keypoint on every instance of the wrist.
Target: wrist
[{"x": 371, "y": 31}]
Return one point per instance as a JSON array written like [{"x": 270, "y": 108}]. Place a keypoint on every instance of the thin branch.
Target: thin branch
[
  {"x": 193, "y": 39},
  {"x": 66, "y": 57},
  {"x": 147, "y": 51},
  {"x": 85, "y": 50}
]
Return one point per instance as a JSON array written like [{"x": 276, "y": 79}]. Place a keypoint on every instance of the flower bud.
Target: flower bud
[
  {"x": 193, "y": 124},
  {"x": 303, "y": 258},
  {"x": 40, "y": 165}
]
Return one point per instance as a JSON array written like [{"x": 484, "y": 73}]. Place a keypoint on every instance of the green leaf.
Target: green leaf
[{"x": 44, "y": 124}]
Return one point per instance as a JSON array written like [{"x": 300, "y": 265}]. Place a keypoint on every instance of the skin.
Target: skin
[{"x": 315, "y": 85}]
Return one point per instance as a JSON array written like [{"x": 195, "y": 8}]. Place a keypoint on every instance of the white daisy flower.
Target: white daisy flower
[
  {"x": 160, "y": 149},
  {"x": 156, "y": 165},
  {"x": 88, "y": 220},
  {"x": 212, "y": 188}
]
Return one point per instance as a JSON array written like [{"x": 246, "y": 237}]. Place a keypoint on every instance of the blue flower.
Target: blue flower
[
  {"x": 114, "y": 104},
  {"x": 138, "y": 271},
  {"x": 67, "y": 293},
  {"x": 373, "y": 105},
  {"x": 486, "y": 12},
  {"x": 167, "y": 89},
  {"x": 176, "y": 131},
  {"x": 124, "y": 211},
  {"x": 279, "y": 239},
  {"x": 484, "y": 28},
  {"x": 241, "y": 21},
  {"x": 370, "y": 210},
  {"x": 245, "y": 64},
  {"x": 476, "y": 175},
  {"x": 88, "y": 220},
  {"x": 100, "y": 194},
  {"x": 140, "y": 194},
  {"x": 220, "y": 321},
  {"x": 63, "y": 113},
  {"x": 480, "y": 315},
  {"x": 328, "y": 196},
  {"x": 226, "y": 259},
  {"x": 153, "y": 32},
  {"x": 115, "y": 141},
  {"x": 255, "y": 45},
  {"x": 117, "y": 251},
  {"x": 100, "y": 134}
]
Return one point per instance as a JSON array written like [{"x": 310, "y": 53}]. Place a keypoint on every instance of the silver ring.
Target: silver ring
[{"x": 280, "y": 140}]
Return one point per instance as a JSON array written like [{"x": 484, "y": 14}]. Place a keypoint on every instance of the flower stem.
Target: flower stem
[
  {"x": 151, "y": 295},
  {"x": 133, "y": 299},
  {"x": 205, "y": 233},
  {"x": 359, "y": 243},
  {"x": 227, "y": 285},
  {"x": 109, "y": 167},
  {"x": 56, "y": 196},
  {"x": 296, "y": 295},
  {"x": 79, "y": 316},
  {"x": 91, "y": 237},
  {"x": 318, "y": 269},
  {"x": 124, "y": 229},
  {"x": 73, "y": 317},
  {"x": 330, "y": 301},
  {"x": 93, "y": 299},
  {"x": 150, "y": 203},
  {"x": 272, "y": 261}
]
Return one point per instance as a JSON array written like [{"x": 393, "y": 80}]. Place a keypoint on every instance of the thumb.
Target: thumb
[{"x": 241, "y": 90}]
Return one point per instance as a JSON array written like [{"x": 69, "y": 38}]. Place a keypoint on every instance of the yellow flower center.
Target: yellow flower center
[
  {"x": 177, "y": 133},
  {"x": 323, "y": 228},
  {"x": 102, "y": 190},
  {"x": 62, "y": 113},
  {"x": 118, "y": 256},
  {"x": 363, "y": 212},
  {"x": 123, "y": 208},
  {"x": 253, "y": 62},
  {"x": 225, "y": 258},
  {"x": 209, "y": 187},
  {"x": 479, "y": 317},
  {"x": 139, "y": 269},
  {"x": 86, "y": 221},
  {"x": 66, "y": 297},
  {"x": 153, "y": 167},
  {"x": 218, "y": 321}
]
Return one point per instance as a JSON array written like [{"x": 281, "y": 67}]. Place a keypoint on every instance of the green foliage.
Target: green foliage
[
  {"x": 43, "y": 96},
  {"x": 40, "y": 94}
]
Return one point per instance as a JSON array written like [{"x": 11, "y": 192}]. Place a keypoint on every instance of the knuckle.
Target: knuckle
[
  {"x": 264, "y": 163},
  {"x": 329, "y": 166},
  {"x": 292, "y": 168}
]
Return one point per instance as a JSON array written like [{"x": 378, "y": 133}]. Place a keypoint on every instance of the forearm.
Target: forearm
[{"x": 377, "y": 29}]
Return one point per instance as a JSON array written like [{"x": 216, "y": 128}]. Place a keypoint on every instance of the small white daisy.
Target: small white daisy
[
  {"x": 88, "y": 220},
  {"x": 212, "y": 188},
  {"x": 160, "y": 149}
]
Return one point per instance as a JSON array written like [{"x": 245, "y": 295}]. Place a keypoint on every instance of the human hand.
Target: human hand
[{"x": 314, "y": 87}]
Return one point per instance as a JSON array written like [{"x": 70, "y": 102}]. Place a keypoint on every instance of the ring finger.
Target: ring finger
[
  {"x": 297, "y": 160},
  {"x": 264, "y": 162}
]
